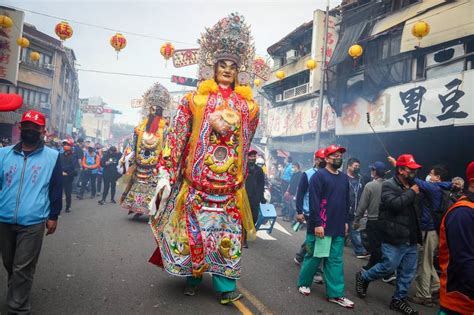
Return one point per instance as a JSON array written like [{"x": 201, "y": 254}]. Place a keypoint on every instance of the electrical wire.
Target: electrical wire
[
  {"x": 102, "y": 27},
  {"x": 124, "y": 74}
]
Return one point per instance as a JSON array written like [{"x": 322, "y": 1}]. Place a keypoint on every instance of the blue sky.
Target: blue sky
[{"x": 175, "y": 20}]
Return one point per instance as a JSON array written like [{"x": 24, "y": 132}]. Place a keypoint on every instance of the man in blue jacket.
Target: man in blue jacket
[
  {"x": 30, "y": 201},
  {"x": 427, "y": 280}
]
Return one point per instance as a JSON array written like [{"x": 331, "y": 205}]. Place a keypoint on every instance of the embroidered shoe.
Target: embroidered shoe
[
  {"x": 304, "y": 290},
  {"x": 402, "y": 306},
  {"x": 361, "y": 285},
  {"x": 229, "y": 297},
  {"x": 342, "y": 301}
]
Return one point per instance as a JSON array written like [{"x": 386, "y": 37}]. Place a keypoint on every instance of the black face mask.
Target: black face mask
[
  {"x": 411, "y": 177},
  {"x": 30, "y": 137},
  {"x": 357, "y": 171},
  {"x": 336, "y": 163}
]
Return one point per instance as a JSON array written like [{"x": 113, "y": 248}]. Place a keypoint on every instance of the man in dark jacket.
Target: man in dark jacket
[
  {"x": 255, "y": 185},
  {"x": 70, "y": 167},
  {"x": 290, "y": 193},
  {"x": 427, "y": 280},
  {"x": 400, "y": 232},
  {"x": 30, "y": 201},
  {"x": 109, "y": 164}
]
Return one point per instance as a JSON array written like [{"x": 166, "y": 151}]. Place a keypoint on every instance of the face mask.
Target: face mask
[
  {"x": 30, "y": 137},
  {"x": 357, "y": 171},
  {"x": 322, "y": 164},
  {"x": 336, "y": 163},
  {"x": 411, "y": 177}
]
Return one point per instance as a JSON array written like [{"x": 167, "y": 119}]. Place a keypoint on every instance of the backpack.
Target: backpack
[{"x": 447, "y": 200}]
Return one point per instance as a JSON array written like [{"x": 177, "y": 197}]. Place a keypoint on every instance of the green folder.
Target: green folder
[{"x": 322, "y": 247}]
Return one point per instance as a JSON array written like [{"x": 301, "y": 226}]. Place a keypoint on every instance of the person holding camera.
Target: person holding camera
[{"x": 110, "y": 174}]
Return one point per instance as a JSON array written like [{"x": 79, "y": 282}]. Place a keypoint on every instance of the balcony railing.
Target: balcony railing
[{"x": 293, "y": 92}]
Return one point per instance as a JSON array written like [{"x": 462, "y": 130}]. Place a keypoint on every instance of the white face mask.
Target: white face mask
[{"x": 428, "y": 179}]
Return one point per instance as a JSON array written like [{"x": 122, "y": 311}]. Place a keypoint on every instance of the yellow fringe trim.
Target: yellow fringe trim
[
  {"x": 244, "y": 91},
  {"x": 246, "y": 214},
  {"x": 178, "y": 208},
  {"x": 207, "y": 87}
]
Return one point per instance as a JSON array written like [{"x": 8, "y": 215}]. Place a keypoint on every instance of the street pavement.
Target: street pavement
[{"x": 97, "y": 263}]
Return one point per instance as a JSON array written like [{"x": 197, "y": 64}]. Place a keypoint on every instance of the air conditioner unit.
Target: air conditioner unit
[
  {"x": 48, "y": 66},
  {"x": 292, "y": 55},
  {"x": 279, "y": 98}
]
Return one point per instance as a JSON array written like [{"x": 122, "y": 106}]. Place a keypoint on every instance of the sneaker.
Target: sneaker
[
  {"x": 363, "y": 256},
  {"x": 304, "y": 290},
  {"x": 68, "y": 210},
  {"x": 318, "y": 279},
  {"x": 101, "y": 202},
  {"x": 112, "y": 201},
  {"x": 402, "y": 306},
  {"x": 365, "y": 268},
  {"x": 79, "y": 197},
  {"x": 421, "y": 301},
  {"x": 297, "y": 261},
  {"x": 342, "y": 301},
  {"x": 389, "y": 278},
  {"x": 190, "y": 290},
  {"x": 229, "y": 297},
  {"x": 361, "y": 285}
]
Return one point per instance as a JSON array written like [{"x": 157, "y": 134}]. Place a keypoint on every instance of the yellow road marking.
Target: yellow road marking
[
  {"x": 254, "y": 300},
  {"x": 242, "y": 308}
]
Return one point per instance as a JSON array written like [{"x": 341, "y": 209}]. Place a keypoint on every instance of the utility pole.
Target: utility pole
[{"x": 321, "y": 86}]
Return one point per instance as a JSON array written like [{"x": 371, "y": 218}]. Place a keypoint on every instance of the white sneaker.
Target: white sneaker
[
  {"x": 318, "y": 279},
  {"x": 304, "y": 290},
  {"x": 342, "y": 301}
]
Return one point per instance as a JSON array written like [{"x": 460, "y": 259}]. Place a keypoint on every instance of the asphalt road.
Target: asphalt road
[{"x": 96, "y": 263}]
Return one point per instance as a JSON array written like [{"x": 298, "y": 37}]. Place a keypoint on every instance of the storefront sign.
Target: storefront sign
[
  {"x": 445, "y": 101},
  {"x": 9, "y": 50}
]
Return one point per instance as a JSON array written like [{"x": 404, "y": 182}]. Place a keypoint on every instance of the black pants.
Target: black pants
[
  {"x": 88, "y": 177},
  {"x": 109, "y": 182},
  {"x": 375, "y": 244},
  {"x": 99, "y": 183},
  {"x": 20, "y": 247},
  {"x": 67, "y": 187}
]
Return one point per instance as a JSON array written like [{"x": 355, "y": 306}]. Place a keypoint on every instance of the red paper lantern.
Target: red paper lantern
[{"x": 63, "y": 30}]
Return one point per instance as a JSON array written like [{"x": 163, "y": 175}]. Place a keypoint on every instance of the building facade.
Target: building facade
[{"x": 49, "y": 85}]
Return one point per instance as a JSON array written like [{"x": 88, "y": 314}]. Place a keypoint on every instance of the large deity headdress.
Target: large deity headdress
[
  {"x": 157, "y": 95},
  {"x": 229, "y": 39}
]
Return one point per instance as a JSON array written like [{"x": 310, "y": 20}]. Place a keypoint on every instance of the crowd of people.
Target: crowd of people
[{"x": 410, "y": 230}]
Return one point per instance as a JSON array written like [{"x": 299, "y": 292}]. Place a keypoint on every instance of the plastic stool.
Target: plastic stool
[{"x": 267, "y": 214}]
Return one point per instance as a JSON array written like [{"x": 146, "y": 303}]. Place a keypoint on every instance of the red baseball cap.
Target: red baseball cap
[
  {"x": 252, "y": 151},
  {"x": 333, "y": 148},
  {"x": 407, "y": 160},
  {"x": 319, "y": 154},
  {"x": 470, "y": 172},
  {"x": 34, "y": 117}
]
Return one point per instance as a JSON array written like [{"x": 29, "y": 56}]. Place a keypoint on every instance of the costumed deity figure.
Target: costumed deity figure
[
  {"x": 202, "y": 206},
  {"x": 145, "y": 146}
]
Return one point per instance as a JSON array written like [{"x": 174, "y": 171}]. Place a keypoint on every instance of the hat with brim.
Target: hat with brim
[{"x": 333, "y": 149}]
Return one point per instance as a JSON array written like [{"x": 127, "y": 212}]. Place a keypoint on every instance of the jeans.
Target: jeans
[
  {"x": 88, "y": 177},
  {"x": 403, "y": 259},
  {"x": 20, "y": 247},
  {"x": 356, "y": 241},
  {"x": 99, "y": 182}
]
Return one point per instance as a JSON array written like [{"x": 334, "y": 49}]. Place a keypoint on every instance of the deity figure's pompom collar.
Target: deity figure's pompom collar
[
  {"x": 207, "y": 87},
  {"x": 244, "y": 91}
]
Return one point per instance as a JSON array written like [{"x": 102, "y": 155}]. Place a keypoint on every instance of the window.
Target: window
[
  {"x": 445, "y": 61},
  {"x": 45, "y": 58},
  {"x": 419, "y": 68},
  {"x": 32, "y": 97}
]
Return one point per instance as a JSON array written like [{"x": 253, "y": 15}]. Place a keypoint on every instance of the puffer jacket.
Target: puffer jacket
[{"x": 399, "y": 214}]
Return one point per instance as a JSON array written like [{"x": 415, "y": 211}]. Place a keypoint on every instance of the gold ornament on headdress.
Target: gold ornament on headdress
[{"x": 229, "y": 39}]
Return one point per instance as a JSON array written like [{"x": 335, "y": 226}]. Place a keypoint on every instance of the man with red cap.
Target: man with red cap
[
  {"x": 399, "y": 223},
  {"x": 30, "y": 201},
  {"x": 327, "y": 225},
  {"x": 456, "y": 253},
  {"x": 302, "y": 203}
]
